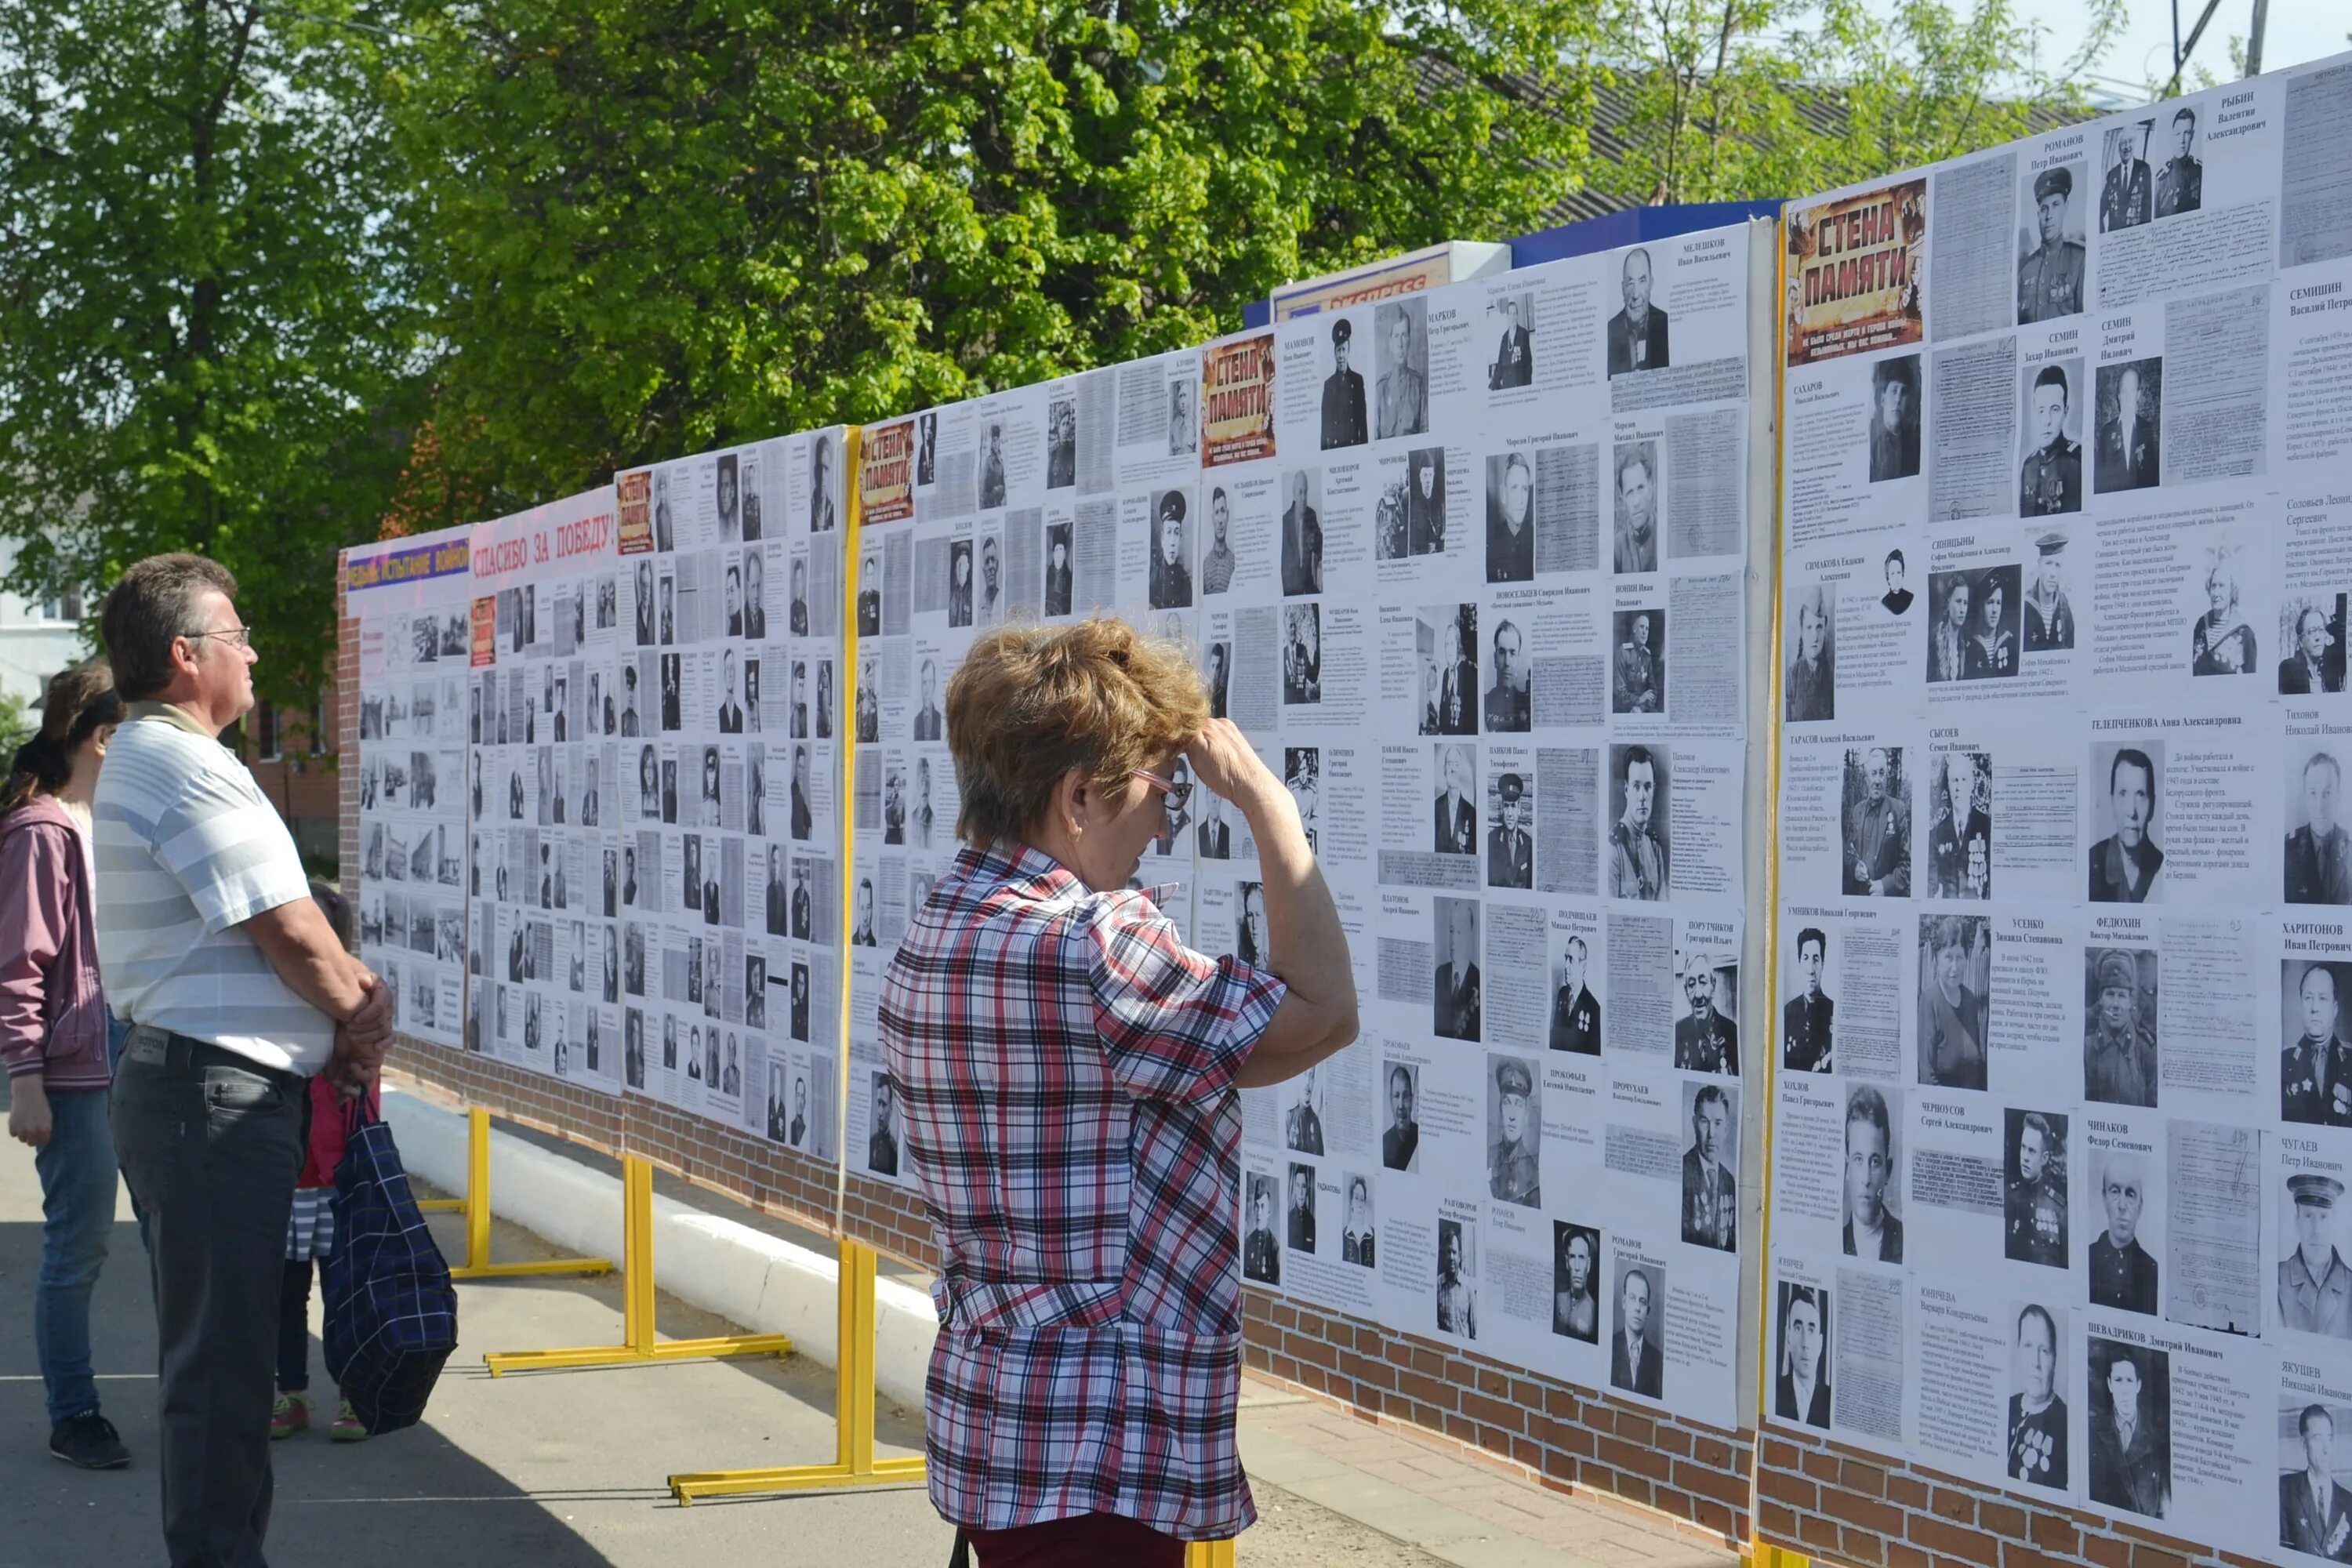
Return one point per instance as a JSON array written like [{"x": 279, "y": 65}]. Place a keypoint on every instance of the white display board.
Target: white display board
[{"x": 2061, "y": 1137}]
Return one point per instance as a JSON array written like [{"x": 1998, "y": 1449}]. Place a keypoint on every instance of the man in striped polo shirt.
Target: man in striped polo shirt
[{"x": 238, "y": 992}]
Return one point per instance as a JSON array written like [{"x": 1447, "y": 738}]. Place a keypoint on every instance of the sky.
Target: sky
[{"x": 2298, "y": 30}]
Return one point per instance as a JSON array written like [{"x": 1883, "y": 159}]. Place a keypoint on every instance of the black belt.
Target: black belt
[{"x": 165, "y": 1048}]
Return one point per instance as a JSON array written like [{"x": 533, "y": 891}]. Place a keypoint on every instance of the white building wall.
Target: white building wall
[{"x": 34, "y": 644}]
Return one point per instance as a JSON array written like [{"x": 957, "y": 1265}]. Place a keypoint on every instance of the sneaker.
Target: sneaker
[
  {"x": 346, "y": 1427},
  {"x": 88, "y": 1443},
  {"x": 290, "y": 1414}
]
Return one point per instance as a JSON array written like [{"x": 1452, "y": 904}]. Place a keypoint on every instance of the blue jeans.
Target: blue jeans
[{"x": 78, "y": 1183}]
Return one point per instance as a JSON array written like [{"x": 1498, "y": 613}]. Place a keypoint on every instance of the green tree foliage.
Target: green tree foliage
[
  {"x": 1724, "y": 100},
  {"x": 654, "y": 225},
  {"x": 208, "y": 339}
]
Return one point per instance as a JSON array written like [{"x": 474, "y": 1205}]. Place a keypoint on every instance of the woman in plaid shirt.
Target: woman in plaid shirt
[{"x": 1066, "y": 1070}]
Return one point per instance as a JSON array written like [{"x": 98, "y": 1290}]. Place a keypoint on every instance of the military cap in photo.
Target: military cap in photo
[{"x": 2053, "y": 182}]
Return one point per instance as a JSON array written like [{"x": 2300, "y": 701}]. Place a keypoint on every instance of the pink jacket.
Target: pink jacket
[{"x": 52, "y": 1011}]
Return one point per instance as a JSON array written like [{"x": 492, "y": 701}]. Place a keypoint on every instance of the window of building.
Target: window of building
[
  {"x": 318, "y": 726},
  {"x": 64, "y": 606},
  {"x": 265, "y": 731}
]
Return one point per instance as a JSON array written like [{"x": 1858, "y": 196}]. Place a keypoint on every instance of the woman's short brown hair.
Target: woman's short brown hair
[{"x": 1030, "y": 703}]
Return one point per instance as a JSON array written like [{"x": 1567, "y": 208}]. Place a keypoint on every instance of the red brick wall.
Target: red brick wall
[{"x": 1833, "y": 1501}]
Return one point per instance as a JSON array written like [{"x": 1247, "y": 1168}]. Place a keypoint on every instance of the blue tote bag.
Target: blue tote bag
[{"x": 391, "y": 1311}]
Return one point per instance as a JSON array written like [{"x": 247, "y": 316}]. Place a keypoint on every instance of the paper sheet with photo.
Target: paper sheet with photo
[{"x": 2062, "y": 617}]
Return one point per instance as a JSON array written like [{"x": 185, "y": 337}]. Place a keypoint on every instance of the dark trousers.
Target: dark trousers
[
  {"x": 294, "y": 1327},
  {"x": 210, "y": 1143},
  {"x": 1083, "y": 1541}
]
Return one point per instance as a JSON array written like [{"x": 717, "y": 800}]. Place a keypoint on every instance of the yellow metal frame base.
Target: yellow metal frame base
[
  {"x": 475, "y": 1207},
  {"x": 640, "y": 1346},
  {"x": 855, "y": 1463},
  {"x": 1209, "y": 1555}
]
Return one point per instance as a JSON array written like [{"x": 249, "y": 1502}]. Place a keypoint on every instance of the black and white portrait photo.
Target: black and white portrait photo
[
  {"x": 1401, "y": 399},
  {"x": 1261, "y": 1246},
  {"x": 1959, "y": 837},
  {"x": 1514, "y": 1131},
  {"x": 1455, "y": 998},
  {"x": 1302, "y": 654},
  {"x": 2120, "y": 1043},
  {"x": 1510, "y": 846},
  {"x": 1975, "y": 633},
  {"x": 1706, "y": 1036},
  {"x": 1895, "y": 419},
  {"x": 1183, "y": 428},
  {"x": 1640, "y": 841},
  {"x": 1302, "y": 532},
  {"x": 2315, "y": 1283},
  {"x": 2180, "y": 178},
  {"x": 1874, "y": 816},
  {"x": 2123, "y": 1271},
  {"x": 1062, "y": 442},
  {"x": 1249, "y": 924},
  {"x": 824, "y": 486},
  {"x": 1513, "y": 361},
  {"x": 1510, "y": 519},
  {"x": 1445, "y": 639},
  {"x": 2311, "y": 630},
  {"x": 1298, "y": 1220},
  {"x": 1508, "y": 705},
  {"x": 2131, "y": 1426},
  {"x": 1457, "y": 1277},
  {"x": 2317, "y": 857},
  {"x": 1800, "y": 1379},
  {"x": 927, "y": 448},
  {"x": 2316, "y": 1057},
  {"x": 1360, "y": 1238},
  {"x": 2049, "y": 614},
  {"x": 1898, "y": 597},
  {"x": 1634, "y": 532},
  {"x": 1425, "y": 500},
  {"x": 1810, "y": 690},
  {"x": 1955, "y": 977},
  {"x": 2037, "y": 1406},
  {"x": 1637, "y": 332},
  {"x": 1344, "y": 423},
  {"x": 2125, "y": 865},
  {"x": 1576, "y": 1281},
  {"x": 991, "y": 467},
  {"x": 2127, "y": 185},
  {"x": 959, "y": 583},
  {"x": 1710, "y": 1186},
  {"x": 2033, "y": 1201},
  {"x": 1637, "y": 1331},
  {"x": 2314, "y": 1510},
  {"x": 1401, "y": 1137},
  {"x": 1455, "y": 830},
  {"x": 2050, "y": 473},
  {"x": 1057, "y": 569},
  {"x": 2129, "y": 452},
  {"x": 1302, "y": 1126},
  {"x": 1874, "y": 1220},
  {"x": 2222, "y": 641},
  {"x": 1170, "y": 582},
  {"x": 1809, "y": 1018},
  {"x": 1637, "y": 681}
]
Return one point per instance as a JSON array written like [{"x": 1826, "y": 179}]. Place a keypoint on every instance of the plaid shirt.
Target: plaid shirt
[{"x": 1066, "y": 1068}]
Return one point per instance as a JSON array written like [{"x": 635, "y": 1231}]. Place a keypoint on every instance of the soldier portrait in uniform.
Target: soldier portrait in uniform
[
  {"x": 1454, "y": 826},
  {"x": 1183, "y": 430},
  {"x": 1344, "y": 423},
  {"x": 1261, "y": 1253},
  {"x": 1446, "y": 638},
  {"x": 2130, "y": 416},
  {"x": 1636, "y": 543},
  {"x": 1873, "y": 1230},
  {"x": 2315, "y": 1283},
  {"x": 2180, "y": 183},
  {"x": 1639, "y": 678},
  {"x": 2312, "y": 632},
  {"x": 1061, "y": 443},
  {"x": 1510, "y": 519},
  {"x": 1575, "y": 1010},
  {"x": 2318, "y": 858},
  {"x": 1300, "y": 1223},
  {"x": 1955, "y": 973},
  {"x": 1302, "y": 1128},
  {"x": 1576, "y": 1281},
  {"x": 2125, "y": 863},
  {"x": 1425, "y": 500},
  {"x": 1513, "y": 1133},
  {"x": 2131, "y": 1420},
  {"x": 1895, "y": 419},
  {"x": 2049, "y": 266},
  {"x": 1710, "y": 1189},
  {"x": 1808, "y": 1023},
  {"x": 2127, "y": 189},
  {"x": 1707, "y": 1039},
  {"x": 2049, "y": 618},
  {"x": 2037, "y": 1412},
  {"x": 1457, "y": 1292},
  {"x": 1170, "y": 579},
  {"x": 1800, "y": 1381},
  {"x": 1638, "y": 1337},
  {"x": 1302, "y": 654},
  {"x": 1401, "y": 400},
  {"x": 2050, "y": 480},
  {"x": 2315, "y": 1511},
  {"x": 1401, "y": 1139},
  {"x": 1511, "y": 849},
  {"x": 1877, "y": 819},
  {"x": 1514, "y": 363},
  {"x": 2119, "y": 1060},
  {"x": 1640, "y": 839},
  {"x": 1456, "y": 1001},
  {"x": 2123, "y": 1272},
  {"x": 1959, "y": 842},
  {"x": 1812, "y": 686},
  {"x": 1302, "y": 534},
  {"x": 1637, "y": 332},
  {"x": 2034, "y": 1206},
  {"x": 1508, "y": 709},
  {"x": 1249, "y": 927}
]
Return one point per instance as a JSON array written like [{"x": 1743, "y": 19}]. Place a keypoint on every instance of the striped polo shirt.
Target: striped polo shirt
[{"x": 187, "y": 849}]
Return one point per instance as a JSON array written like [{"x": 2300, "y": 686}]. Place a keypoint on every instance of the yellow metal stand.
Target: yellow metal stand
[
  {"x": 854, "y": 1461},
  {"x": 1209, "y": 1555},
  {"x": 638, "y": 1302},
  {"x": 475, "y": 1207}
]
